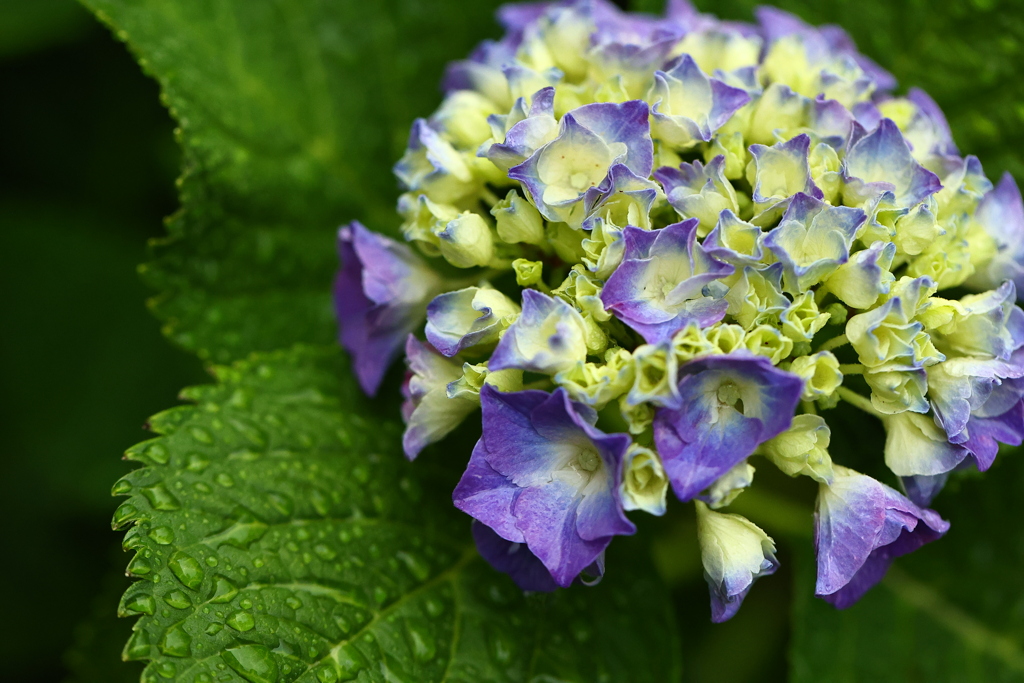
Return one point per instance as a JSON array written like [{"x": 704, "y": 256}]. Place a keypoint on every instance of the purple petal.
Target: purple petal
[
  {"x": 514, "y": 559},
  {"x": 730, "y": 405},
  {"x": 861, "y": 526},
  {"x": 380, "y": 296}
]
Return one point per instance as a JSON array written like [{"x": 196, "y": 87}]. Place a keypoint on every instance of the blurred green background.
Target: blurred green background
[{"x": 88, "y": 174}]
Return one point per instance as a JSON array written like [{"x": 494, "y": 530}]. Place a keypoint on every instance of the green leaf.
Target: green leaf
[
  {"x": 282, "y": 536},
  {"x": 952, "y": 611},
  {"x": 291, "y": 114}
]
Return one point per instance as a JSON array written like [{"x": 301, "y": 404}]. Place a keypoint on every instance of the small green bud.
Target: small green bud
[
  {"x": 644, "y": 484},
  {"x": 518, "y": 220},
  {"x": 567, "y": 242},
  {"x": 466, "y": 241},
  {"x": 802, "y": 449},
  {"x": 837, "y": 313},
  {"x": 820, "y": 374},
  {"x": 528, "y": 273}
]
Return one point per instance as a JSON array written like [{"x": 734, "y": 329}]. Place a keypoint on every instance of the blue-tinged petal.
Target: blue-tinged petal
[
  {"x": 1000, "y": 214},
  {"x": 688, "y": 107},
  {"x": 860, "y": 281},
  {"x": 735, "y": 552},
  {"x": 558, "y": 174},
  {"x": 522, "y": 135},
  {"x": 549, "y": 336},
  {"x": 482, "y": 72},
  {"x": 630, "y": 64},
  {"x": 624, "y": 124},
  {"x": 699, "y": 191},
  {"x": 915, "y": 445},
  {"x": 928, "y": 131},
  {"x": 659, "y": 286},
  {"x": 813, "y": 240},
  {"x": 989, "y": 325},
  {"x": 735, "y": 241},
  {"x": 624, "y": 198},
  {"x": 435, "y": 168},
  {"x": 881, "y": 162},
  {"x": 468, "y": 317},
  {"x": 831, "y": 121},
  {"x": 564, "y": 474},
  {"x": 861, "y": 525},
  {"x": 782, "y": 171},
  {"x": 380, "y": 296},
  {"x": 821, "y": 41},
  {"x": 429, "y": 413},
  {"x": 729, "y": 405},
  {"x": 922, "y": 489}
]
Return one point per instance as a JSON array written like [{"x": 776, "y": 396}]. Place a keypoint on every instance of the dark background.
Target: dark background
[{"x": 87, "y": 174}]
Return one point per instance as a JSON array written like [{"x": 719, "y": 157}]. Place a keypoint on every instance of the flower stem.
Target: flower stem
[
  {"x": 834, "y": 343},
  {"x": 489, "y": 196},
  {"x": 857, "y": 400},
  {"x": 852, "y": 368}
]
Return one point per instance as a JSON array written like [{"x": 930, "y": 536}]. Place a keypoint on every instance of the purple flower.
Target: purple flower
[
  {"x": 699, "y": 191},
  {"x": 979, "y": 404},
  {"x": 821, "y": 42},
  {"x": 563, "y": 172},
  {"x": 813, "y": 240},
  {"x": 525, "y": 129},
  {"x": 380, "y": 296},
  {"x": 514, "y": 559},
  {"x": 1001, "y": 214},
  {"x": 658, "y": 287},
  {"x": 881, "y": 162},
  {"x": 861, "y": 525},
  {"x": 783, "y": 171},
  {"x": 928, "y": 132},
  {"x": 688, "y": 106},
  {"x": 729, "y": 406},
  {"x": 549, "y": 337},
  {"x": 543, "y": 475}
]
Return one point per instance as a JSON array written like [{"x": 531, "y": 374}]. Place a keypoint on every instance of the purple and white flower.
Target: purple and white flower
[
  {"x": 659, "y": 286},
  {"x": 729, "y": 406},
  {"x": 544, "y": 476},
  {"x": 861, "y": 526},
  {"x": 380, "y": 296}
]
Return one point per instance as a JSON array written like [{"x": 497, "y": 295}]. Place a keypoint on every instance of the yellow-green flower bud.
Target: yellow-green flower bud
[
  {"x": 466, "y": 241},
  {"x": 820, "y": 374},
  {"x": 802, "y": 320},
  {"x": 644, "y": 484},
  {"x": 691, "y": 342},
  {"x": 528, "y": 273},
  {"x": 802, "y": 449},
  {"x": 518, "y": 220},
  {"x": 768, "y": 341}
]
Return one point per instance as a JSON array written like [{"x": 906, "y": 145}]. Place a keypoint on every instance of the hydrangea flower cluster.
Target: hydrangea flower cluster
[{"x": 650, "y": 248}]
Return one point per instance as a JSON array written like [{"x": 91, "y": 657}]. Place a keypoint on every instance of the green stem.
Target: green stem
[
  {"x": 857, "y": 400},
  {"x": 852, "y": 368},
  {"x": 489, "y": 196},
  {"x": 834, "y": 343}
]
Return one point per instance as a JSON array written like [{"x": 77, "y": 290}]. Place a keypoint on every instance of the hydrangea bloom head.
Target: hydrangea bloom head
[{"x": 657, "y": 252}]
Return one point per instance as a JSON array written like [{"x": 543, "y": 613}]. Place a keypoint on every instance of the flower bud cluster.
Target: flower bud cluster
[{"x": 650, "y": 248}]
